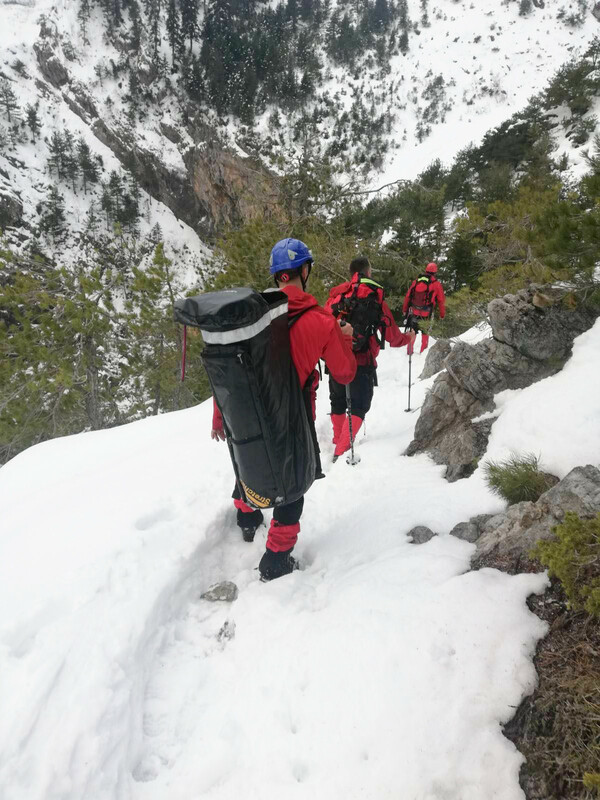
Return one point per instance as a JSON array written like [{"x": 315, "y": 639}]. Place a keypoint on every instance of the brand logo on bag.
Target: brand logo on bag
[{"x": 255, "y": 498}]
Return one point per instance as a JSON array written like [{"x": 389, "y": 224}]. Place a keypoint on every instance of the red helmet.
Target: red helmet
[{"x": 431, "y": 267}]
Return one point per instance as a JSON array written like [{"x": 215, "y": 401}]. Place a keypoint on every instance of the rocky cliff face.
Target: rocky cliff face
[
  {"x": 211, "y": 187},
  {"x": 533, "y": 332},
  {"x": 230, "y": 190}
]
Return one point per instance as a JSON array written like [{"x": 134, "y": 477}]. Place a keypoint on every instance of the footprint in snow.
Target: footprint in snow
[{"x": 149, "y": 520}]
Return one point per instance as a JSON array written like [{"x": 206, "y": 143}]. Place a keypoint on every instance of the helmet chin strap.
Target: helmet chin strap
[{"x": 305, "y": 280}]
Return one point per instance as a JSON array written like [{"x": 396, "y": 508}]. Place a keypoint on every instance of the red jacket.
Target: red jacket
[
  {"x": 436, "y": 294},
  {"x": 393, "y": 335},
  {"x": 316, "y": 334}
]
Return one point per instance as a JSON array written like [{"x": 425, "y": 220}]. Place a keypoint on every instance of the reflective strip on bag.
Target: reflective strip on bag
[{"x": 247, "y": 332}]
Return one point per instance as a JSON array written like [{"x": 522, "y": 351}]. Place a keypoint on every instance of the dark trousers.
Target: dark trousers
[{"x": 361, "y": 392}]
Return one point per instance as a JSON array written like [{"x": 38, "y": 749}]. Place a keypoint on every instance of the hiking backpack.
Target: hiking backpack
[
  {"x": 421, "y": 295},
  {"x": 365, "y": 314},
  {"x": 255, "y": 385}
]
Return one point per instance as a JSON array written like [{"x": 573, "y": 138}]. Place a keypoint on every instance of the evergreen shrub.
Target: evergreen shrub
[
  {"x": 574, "y": 558},
  {"x": 517, "y": 478},
  {"x": 591, "y": 780}
]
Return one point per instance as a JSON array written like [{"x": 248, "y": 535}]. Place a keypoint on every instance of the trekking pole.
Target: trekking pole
[
  {"x": 352, "y": 458},
  {"x": 409, "y": 377},
  {"x": 410, "y": 347}
]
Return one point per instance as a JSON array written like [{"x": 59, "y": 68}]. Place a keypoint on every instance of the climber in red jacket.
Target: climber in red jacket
[
  {"x": 424, "y": 294},
  {"x": 375, "y": 327},
  {"x": 315, "y": 334}
]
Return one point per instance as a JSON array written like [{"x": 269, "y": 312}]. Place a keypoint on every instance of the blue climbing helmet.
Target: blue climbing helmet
[{"x": 288, "y": 254}]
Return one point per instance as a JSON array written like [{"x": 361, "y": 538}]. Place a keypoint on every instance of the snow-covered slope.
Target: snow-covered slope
[
  {"x": 492, "y": 61},
  {"x": 24, "y": 168},
  {"x": 468, "y": 67},
  {"x": 382, "y": 669}
]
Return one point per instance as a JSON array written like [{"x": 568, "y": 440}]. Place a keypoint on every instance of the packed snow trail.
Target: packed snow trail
[{"x": 382, "y": 669}]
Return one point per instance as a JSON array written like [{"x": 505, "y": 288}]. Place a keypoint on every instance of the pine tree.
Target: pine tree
[
  {"x": 87, "y": 164},
  {"x": 106, "y": 203},
  {"x": 189, "y": 20},
  {"x": 380, "y": 15},
  {"x": 115, "y": 188},
  {"x": 153, "y": 9},
  {"x": 33, "y": 120},
  {"x": 71, "y": 164},
  {"x": 92, "y": 222},
  {"x": 136, "y": 25},
  {"x": 291, "y": 11},
  {"x": 57, "y": 154},
  {"x": 525, "y": 7},
  {"x": 174, "y": 31},
  {"x": 8, "y": 100},
  {"x": 53, "y": 220},
  {"x": 156, "y": 235},
  {"x": 157, "y": 340},
  {"x": 72, "y": 170},
  {"x": 133, "y": 95},
  {"x": 115, "y": 17},
  {"x": 163, "y": 68},
  {"x": 129, "y": 213},
  {"x": 100, "y": 71},
  {"x": 307, "y": 86},
  {"x": 83, "y": 15},
  {"x": 306, "y": 10},
  {"x": 463, "y": 263},
  {"x": 32, "y": 381}
]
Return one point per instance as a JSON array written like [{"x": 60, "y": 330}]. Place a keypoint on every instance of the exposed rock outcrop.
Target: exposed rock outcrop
[
  {"x": 436, "y": 356},
  {"x": 80, "y": 101},
  {"x": 445, "y": 430},
  {"x": 170, "y": 131},
  {"x": 533, "y": 333},
  {"x": 509, "y": 536},
  {"x": 470, "y": 531},
  {"x": 537, "y": 323},
  {"x": 169, "y": 186},
  {"x": 50, "y": 64},
  {"x": 11, "y": 209},
  {"x": 46, "y": 51},
  {"x": 214, "y": 187},
  {"x": 231, "y": 190}
]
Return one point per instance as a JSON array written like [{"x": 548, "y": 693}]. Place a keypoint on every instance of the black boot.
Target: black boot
[
  {"x": 274, "y": 565},
  {"x": 249, "y": 521}
]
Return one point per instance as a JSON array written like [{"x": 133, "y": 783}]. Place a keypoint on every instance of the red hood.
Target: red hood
[
  {"x": 344, "y": 288},
  {"x": 298, "y": 300}
]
